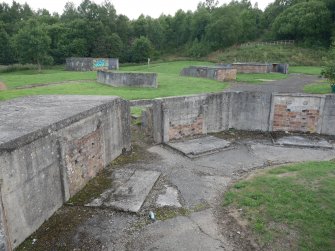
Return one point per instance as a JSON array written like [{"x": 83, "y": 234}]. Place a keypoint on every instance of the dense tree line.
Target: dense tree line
[{"x": 93, "y": 30}]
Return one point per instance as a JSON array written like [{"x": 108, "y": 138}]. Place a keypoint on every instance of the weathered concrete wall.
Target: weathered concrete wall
[
  {"x": 91, "y": 64},
  {"x": 251, "y": 68},
  {"x": 297, "y": 112},
  {"x": 328, "y": 116},
  {"x": 250, "y": 111},
  {"x": 257, "y": 67},
  {"x": 177, "y": 117},
  {"x": 50, "y": 146},
  {"x": 120, "y": 79},
  {"x": 217, "y": 73}
]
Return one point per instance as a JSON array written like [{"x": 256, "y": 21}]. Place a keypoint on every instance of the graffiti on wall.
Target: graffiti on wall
[{"x": 100, "y": 64}]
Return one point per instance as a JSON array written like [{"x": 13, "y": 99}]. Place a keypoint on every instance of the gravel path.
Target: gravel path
[{"x": 294, "y": 83}]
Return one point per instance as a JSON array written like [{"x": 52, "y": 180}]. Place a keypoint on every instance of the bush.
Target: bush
[{"x": 198, "y": 49}]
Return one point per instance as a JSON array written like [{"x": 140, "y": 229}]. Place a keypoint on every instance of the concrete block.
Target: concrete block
[
  {"x": 91, "y": 64},
  {"x": 129, "y": 79},
  {"x": 50, "y": 146},
  {"x": 221, "y": 73}
]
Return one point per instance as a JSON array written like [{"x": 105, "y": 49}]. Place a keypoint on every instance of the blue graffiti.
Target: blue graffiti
[{"x": 99, "y": 63}]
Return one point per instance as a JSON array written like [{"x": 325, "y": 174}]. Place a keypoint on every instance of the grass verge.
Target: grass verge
[
  {"x": 322, "y": 87},
  {"x": 293, "y": 203},
  {"x": 309, "y": 70},
  {"x": 170, "y": 83},
  {"x": 259, "y": 78}
]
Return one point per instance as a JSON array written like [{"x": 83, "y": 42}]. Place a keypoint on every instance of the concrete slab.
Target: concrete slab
[
  {"x": 129, "y": 191},
  {"x": 199, "y": 147},
  {"x": 169, "y": 199},
  {"x": 197, "y": 232},
  {"x": 300, "y": 141},
  {"x": 25, "y": 119}
]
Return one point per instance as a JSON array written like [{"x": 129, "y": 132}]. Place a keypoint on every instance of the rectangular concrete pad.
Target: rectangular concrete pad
[
  {"x": 201, "y": 146},
  {"x": 129, "y": 192},
  {"x": 25, "y": 119},
  {"x": 300, "y": 141}
]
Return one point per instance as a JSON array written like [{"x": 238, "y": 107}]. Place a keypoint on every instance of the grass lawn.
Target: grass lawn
[
  {"x": 322, "y": 87},
  {"x": 293, "y": 203},
  {"x": 28, "y": 77},
  {"x": 169, "y": 80},
  {"x": 259, "y": 78},
  {"x": 310, "y": 70}
]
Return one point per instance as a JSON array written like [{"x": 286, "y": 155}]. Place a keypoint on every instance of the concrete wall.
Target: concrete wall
[
  {"x": 178, "y": 117},
  {"x": 217, "y": 73},
  {"x": 257, "y": 67},
  {"x": 120, "y": 79},
  {"x": 50, "y": 147},
  {"x": 91, "y": 64}
]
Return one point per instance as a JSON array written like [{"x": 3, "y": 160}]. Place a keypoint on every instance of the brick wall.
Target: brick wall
[
  {"x": 297, "y": 113},
  {"x": 180, "y": 131},
  {"x": 226, "y": 74}
]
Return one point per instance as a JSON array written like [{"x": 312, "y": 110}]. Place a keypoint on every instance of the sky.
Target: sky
[{"x": 131, "y": 8}]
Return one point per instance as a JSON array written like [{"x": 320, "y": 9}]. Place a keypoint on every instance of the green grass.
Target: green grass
[
  {"x": 310, "y": 70},
  {"x": 290, "y": 201},
  {"x": 293, "y": 55},
  {"x": 259, "y": 78},
  {"x": 22, "y": 78},
  {"x": 322, "y": 87},
  {"x": 169, "y": 81}
]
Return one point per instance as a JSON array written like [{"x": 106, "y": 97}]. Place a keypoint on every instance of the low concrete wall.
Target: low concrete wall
[
  {"x": 120, "y": 79},
  {"x": 50, "y": 147},
  {"x": 217, "y": 73},
  {"x": 178, "y": 117},
  {"x": 257, "y": 67},
  {"x": 91, "y": 64}
]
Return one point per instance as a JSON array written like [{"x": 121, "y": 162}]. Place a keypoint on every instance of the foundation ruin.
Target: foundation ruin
[
  {"x": 91, "y": 64},
  {"x": 211, "y": 72},
  {"x": 50, "y": 147},
  {"x": 128, "y": 79}
]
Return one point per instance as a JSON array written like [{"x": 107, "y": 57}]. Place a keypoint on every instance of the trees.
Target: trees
[
  {"x": 309, "y": 22},
  {"x": 6, "y": 55},
  {"x": 141, "y": 49},
  {"x": 32, "y": 44}
]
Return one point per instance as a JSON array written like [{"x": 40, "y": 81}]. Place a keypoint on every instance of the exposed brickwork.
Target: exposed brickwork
[
  {"x": 179, "y": 131},
  {"x": 249, "y": 68},
  {"x": 226, "y": 74},
  {"x": 84, "y": 160},
  {"x": 286, "y": 120}
]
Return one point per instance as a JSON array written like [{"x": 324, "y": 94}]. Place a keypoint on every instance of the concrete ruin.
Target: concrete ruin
[
  {"x": 91, "y": 64},
  {"x": 211, "y": 72},
  {"x": 127, "y": 79},
  {"x": 177, "y": 117},
  {"x": 257, "y": 67},
  {"x": 50, "y": 147}
]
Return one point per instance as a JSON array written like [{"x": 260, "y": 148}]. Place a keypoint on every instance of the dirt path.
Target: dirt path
[{"x": 294, "y": 83}]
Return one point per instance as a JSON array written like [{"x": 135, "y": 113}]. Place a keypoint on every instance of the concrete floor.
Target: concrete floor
[{"x": 197, "y": 185}]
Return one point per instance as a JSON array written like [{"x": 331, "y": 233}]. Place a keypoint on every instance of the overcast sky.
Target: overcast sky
[{"x": 131, "y": 8}]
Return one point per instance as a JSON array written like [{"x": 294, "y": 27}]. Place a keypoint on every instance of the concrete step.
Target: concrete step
[
  {"x": 194, "y": 148},
  {"x": 304, "y": 141},
  {"x": 129, "y": 191}
]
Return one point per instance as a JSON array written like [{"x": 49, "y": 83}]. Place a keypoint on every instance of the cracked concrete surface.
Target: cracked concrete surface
[{"x": 199, "y": 184}]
